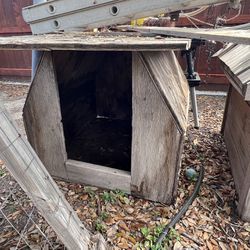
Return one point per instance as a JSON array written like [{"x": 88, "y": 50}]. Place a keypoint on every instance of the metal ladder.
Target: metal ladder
[{"x": 58, "y": 15}]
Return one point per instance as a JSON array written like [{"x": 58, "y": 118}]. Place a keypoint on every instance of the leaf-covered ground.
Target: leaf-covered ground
[
  {"x": 210, "y": 223},
  {"x": 131, "y": 223}
]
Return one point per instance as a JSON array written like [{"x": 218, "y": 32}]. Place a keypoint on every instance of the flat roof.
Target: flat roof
[{"x": 93, "y": 41}]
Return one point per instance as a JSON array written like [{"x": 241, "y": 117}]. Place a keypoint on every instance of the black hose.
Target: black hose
[{"x": 183, "y": 210}]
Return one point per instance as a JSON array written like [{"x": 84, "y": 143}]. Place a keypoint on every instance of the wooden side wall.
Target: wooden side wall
[
  {"x": 237, "y": 137},
  {"x": 43, "y": 121},
  {"x": 160, "y": 108}
]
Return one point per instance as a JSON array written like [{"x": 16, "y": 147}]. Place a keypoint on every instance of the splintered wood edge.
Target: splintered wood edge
[
  {"x": 81, "y": 41},
  {"x": 243, "y": 89},
  {"x": 100, "y": 176}
]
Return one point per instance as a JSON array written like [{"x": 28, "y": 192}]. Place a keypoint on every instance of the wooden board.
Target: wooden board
[
  {"x": 157, "y": 140},
  {"x": 90, "y": 41},
  {"x": 14, "y": 63},
  {"x": 169, "y": 80},
  {"x": 244, "y": 201},
  {"x": 42, "y": 118},
  {"x": 221, "y": 35},
  {"x": 98, "y": 176},
  {"x": 237, "y": 138},
  {"x": 236, "y": 60},
  {"x": 30, "y": 173}
]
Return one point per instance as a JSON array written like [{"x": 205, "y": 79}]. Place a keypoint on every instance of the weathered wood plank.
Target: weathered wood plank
[
  {"x": 244, "y": 201},
  {"x": 25, "y": 166},
  {"x": 42, "y": 119},
  {"x": 99, "y": 176},
  {"x": 220, "y": 35},
  {"x": 171, "y": 83},
  {"x": 92, "y": 41},
  {"x": 235, "y": 61},
  {"x": 157, "y": 141},
  {"x": 237, "y": 138}
]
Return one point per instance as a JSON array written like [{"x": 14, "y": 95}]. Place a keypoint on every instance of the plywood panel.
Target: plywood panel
[{"x": 90, "y": 41}]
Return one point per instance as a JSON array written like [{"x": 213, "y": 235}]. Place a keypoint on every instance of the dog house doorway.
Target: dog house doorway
[{"x": 95, "y": 90}]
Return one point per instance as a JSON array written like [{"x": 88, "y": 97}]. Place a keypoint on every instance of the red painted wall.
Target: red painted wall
[
  {"x": 18, "y": 63},
  {"x": 14, "y": 63},
  {"x": 210, "y": 69}
]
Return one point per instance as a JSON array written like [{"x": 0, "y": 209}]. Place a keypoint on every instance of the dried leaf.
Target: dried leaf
[
  {"x": 84, "y": 197},
  {"x": 123, "y": 225},
  {"x": 223, "y": 247},
  {"x": 209, "y": 245},
  {"x": 177, "y": 246}
]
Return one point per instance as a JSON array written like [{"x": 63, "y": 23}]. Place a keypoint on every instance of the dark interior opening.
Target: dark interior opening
[{"x": 95, "y": 91}]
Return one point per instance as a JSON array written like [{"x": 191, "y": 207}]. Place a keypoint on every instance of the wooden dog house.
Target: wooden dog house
[
  {"x": 108, "y": 111},
  {"x": 236, "y": 125}
]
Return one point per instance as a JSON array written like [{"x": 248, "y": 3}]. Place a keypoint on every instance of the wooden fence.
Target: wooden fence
[
  {"x": 18, "y": 63},
  {"x": 14, "y": 63}
]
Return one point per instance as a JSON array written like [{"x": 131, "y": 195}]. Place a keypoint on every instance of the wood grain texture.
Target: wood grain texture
[
  {"x": 220, "y": 35},
  {"x": 169, "y": 80},
  {"x": 92, "y": 41},
  {"x": 42, "y": 119},
  {"x": 25, "y": 166},
  {"x": 244, "y": 201},
  {"x": 11, "y": 17},
  {"x": 235, "y": 61},
  {"x": 157, "y": 141},
  {"x": 99, "y": 176},
  {"x": 237, "y": 138},
  {"x": 15, "y": 63}
]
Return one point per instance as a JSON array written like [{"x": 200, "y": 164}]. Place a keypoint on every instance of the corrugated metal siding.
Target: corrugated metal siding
[{"x": 14, "y": 63}]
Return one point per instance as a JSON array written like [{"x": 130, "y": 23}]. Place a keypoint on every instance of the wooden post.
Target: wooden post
[{"x": 32, "y": 176}]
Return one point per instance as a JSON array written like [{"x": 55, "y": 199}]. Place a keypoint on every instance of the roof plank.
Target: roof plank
[
  {"x": 92, "y": 41},
  {"x": 236, "y": 64},
  {"x": 237, "y": 36}
]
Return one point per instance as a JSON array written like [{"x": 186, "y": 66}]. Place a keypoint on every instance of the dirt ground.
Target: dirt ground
[{"x": 131, "y": 223}]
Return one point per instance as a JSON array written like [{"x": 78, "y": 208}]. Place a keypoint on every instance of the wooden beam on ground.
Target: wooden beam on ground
[
  {"x": 105, "y": 177},
  {"x": 25, "y": 166},
  {"x": 220, "y": 35},
  {"x": 92, "y": 41}
]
